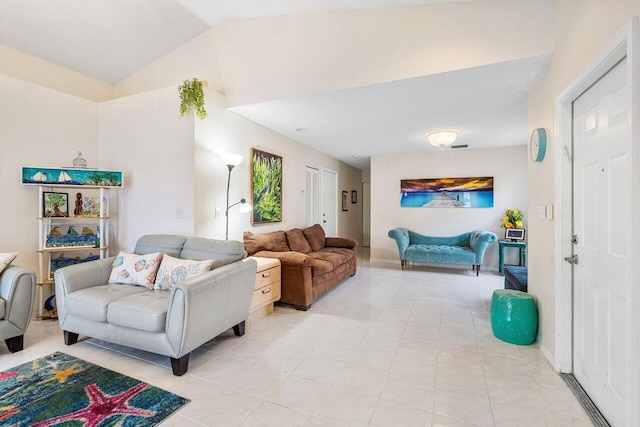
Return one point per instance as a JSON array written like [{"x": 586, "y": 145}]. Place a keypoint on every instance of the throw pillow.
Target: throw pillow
[
  {"x": 315, "y": 236},
  {"x": 297, "y": 241},
  {"x": 274, "y": 241},
  {"x": 6, "y": 258},
  {"x": 133, "y": 269},
  {"x": 174, "y": 270}
]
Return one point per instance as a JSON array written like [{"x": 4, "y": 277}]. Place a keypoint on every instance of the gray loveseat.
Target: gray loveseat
[
  {"x": 17, "y": 293},
  {"x": 172, "y": 323}
]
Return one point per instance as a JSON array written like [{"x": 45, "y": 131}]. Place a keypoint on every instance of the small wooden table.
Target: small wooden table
[
  {"x": 520, "y": 245},
  {"x": 267, "y": 289}
]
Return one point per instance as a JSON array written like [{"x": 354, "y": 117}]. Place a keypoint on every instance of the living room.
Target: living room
[{"x": 174, "y": 178}]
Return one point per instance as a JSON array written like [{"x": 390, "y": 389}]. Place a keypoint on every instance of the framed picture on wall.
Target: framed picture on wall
[
  {"x": 266, "y": 187},
  {"x": 345, "y": 194},
  {"x": 354, "y": 197}
]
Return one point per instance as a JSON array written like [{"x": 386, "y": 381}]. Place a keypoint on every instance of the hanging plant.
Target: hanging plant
[{"x": 192, "y": 95}]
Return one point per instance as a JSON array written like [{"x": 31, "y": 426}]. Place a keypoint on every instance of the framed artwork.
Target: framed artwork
[
  {"x": 55, "y": 204},
  {"x": 473, "y": 192},
  {"x": 354, "y": 197},
  {"x": 70, "y": 176},
  {"x": 266, "y": 187},
  {"x": 344, "y": 201}
]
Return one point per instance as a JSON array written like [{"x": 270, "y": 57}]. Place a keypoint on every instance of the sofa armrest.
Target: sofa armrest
[
  {"x": 18, "y": 289},
  {"x": 479, "y": 240},
  {"x": 204, "y": 306},
  {"x": 81, "y": 276},
  {"x": 288, "y": 258},
  {"x": 401, "y": 236},
  {"x": 340, "y": 242}
]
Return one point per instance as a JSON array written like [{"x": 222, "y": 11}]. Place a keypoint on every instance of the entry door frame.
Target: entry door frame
[{"x": 624, "y": 44}]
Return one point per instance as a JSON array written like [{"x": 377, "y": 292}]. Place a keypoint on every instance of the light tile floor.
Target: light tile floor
[{"x": 385, "y": 348}]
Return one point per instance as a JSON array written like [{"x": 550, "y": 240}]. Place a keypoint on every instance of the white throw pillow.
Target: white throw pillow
[
  {"x": 133, "y": 269},
  {"x": 174, "y": 270},
  {"x": 6, "y": 258}
]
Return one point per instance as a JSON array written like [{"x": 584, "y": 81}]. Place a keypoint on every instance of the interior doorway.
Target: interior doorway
[
  {"x": 329, "y": 202},
  {"x": 597, "y": 152},
  {"x": 366, "y": 214}
]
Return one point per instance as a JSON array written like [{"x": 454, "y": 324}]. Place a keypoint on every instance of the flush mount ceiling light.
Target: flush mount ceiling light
[{"x": 442, "y": 138}]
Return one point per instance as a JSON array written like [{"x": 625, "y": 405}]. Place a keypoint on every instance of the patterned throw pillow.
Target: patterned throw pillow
[
  {"x": 132, "y": 269},
  {"x": 174, "y": 270},
  {"x": 6, "y": 258}
]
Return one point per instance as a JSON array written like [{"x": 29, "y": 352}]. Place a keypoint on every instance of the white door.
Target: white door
[
  {"x": 312, "y": 196},
  {"x": 329, "y": 205},
  {"x": 366, "y": 214},
  {"x": 603, "y": 220}
]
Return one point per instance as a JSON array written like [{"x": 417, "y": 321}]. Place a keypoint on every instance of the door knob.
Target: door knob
[{"x": 572, "y": 259}]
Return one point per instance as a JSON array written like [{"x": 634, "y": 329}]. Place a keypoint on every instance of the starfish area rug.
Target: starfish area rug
[{"x": 63, "y": 390}]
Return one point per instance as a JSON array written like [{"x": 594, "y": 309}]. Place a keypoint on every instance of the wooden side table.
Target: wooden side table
[
  {"x": 522, "y": 249},
  {"x": 267, "y": 289}
]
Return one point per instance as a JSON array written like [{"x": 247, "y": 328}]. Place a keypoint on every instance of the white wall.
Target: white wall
[
  {"x": 581, "y": 29},
  {"x": 225, "y": 131},
  {"x": 506, "y": 165},
  {"x": 38, "y": 127},
  {"x": 145, "y": 137}
]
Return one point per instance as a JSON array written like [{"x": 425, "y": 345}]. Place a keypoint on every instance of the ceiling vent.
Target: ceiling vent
[{"x": 459, "y": 146}]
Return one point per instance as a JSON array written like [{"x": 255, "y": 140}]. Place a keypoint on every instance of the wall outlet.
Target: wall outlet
[
  {"x": 179, "y": 213},
  {"x": 218, "y": 212}
]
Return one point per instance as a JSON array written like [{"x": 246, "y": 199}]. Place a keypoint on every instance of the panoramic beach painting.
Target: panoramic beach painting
[{"x": 475, "y": 192}]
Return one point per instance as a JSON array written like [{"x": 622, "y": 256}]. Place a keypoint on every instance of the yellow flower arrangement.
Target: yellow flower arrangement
[{"x": 512, "y": 219}]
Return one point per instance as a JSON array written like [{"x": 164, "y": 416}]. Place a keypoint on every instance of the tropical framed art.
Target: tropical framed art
[{"x": 266, "y": 187}]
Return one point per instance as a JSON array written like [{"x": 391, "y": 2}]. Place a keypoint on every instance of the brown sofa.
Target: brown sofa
[{"x": 311, "y": 263}]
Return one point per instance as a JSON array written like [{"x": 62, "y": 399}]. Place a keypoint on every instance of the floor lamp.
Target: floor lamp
[{"x": 232, "y": 160}]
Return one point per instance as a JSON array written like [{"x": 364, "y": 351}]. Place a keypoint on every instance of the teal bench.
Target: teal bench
[{"x": 467, "y": 248}]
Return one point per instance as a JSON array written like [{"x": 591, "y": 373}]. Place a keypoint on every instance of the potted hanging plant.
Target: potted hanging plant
[{"x": 192, "y": 95}]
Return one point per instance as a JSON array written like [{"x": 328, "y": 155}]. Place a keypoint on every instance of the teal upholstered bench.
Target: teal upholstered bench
[{"x": 467, "y": 248}]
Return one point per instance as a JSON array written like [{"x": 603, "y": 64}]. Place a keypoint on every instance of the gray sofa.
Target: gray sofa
[
  {"x": 172, "y": 323},
  {"x": 17, "y": 292}
]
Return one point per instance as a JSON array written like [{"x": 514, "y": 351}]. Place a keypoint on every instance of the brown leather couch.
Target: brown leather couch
[{"x": 312, "y": 264}]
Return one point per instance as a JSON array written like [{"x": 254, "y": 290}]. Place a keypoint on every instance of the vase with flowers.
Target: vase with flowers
[{"x": 512, "y": 219}]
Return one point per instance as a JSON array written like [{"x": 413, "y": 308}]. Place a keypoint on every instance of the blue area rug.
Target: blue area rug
[{"x": 62, "y": 390}]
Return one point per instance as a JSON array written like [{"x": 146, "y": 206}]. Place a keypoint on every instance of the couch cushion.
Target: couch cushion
[
  {"x": 274, "y": 241},
  {"x": 174, "y": 270},
  {"x": 133, "y": 269},
  {"x": 92, "y": 303},
  {"x": 165, "y": 243},
  {"x": 2, "y": 308},
  {"x": 315, "y": 236},
  {"x": 222, "y": 252},
  {"x": 440, "y": 253},
  {"x": 347, "y": 253},
  {"x": 333, "y": 258},
  {"x": 321, "y": 267},
  {"x": 146, "y": 311},
  {"x": 297, "y": 242},
  {"x": 6, "y": 258}
]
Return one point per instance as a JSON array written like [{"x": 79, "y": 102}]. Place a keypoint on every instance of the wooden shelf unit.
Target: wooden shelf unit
[{"x": 44, "y": 225}]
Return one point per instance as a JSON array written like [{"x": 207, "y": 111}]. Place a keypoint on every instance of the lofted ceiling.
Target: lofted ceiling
[{"x": 111, "y": 40}]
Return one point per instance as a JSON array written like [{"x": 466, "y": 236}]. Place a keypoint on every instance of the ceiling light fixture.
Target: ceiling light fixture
[{"x": 442, "y": 138}]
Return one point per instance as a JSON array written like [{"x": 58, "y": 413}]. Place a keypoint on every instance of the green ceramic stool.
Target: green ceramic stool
[{"x": 514, "y": 316}]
